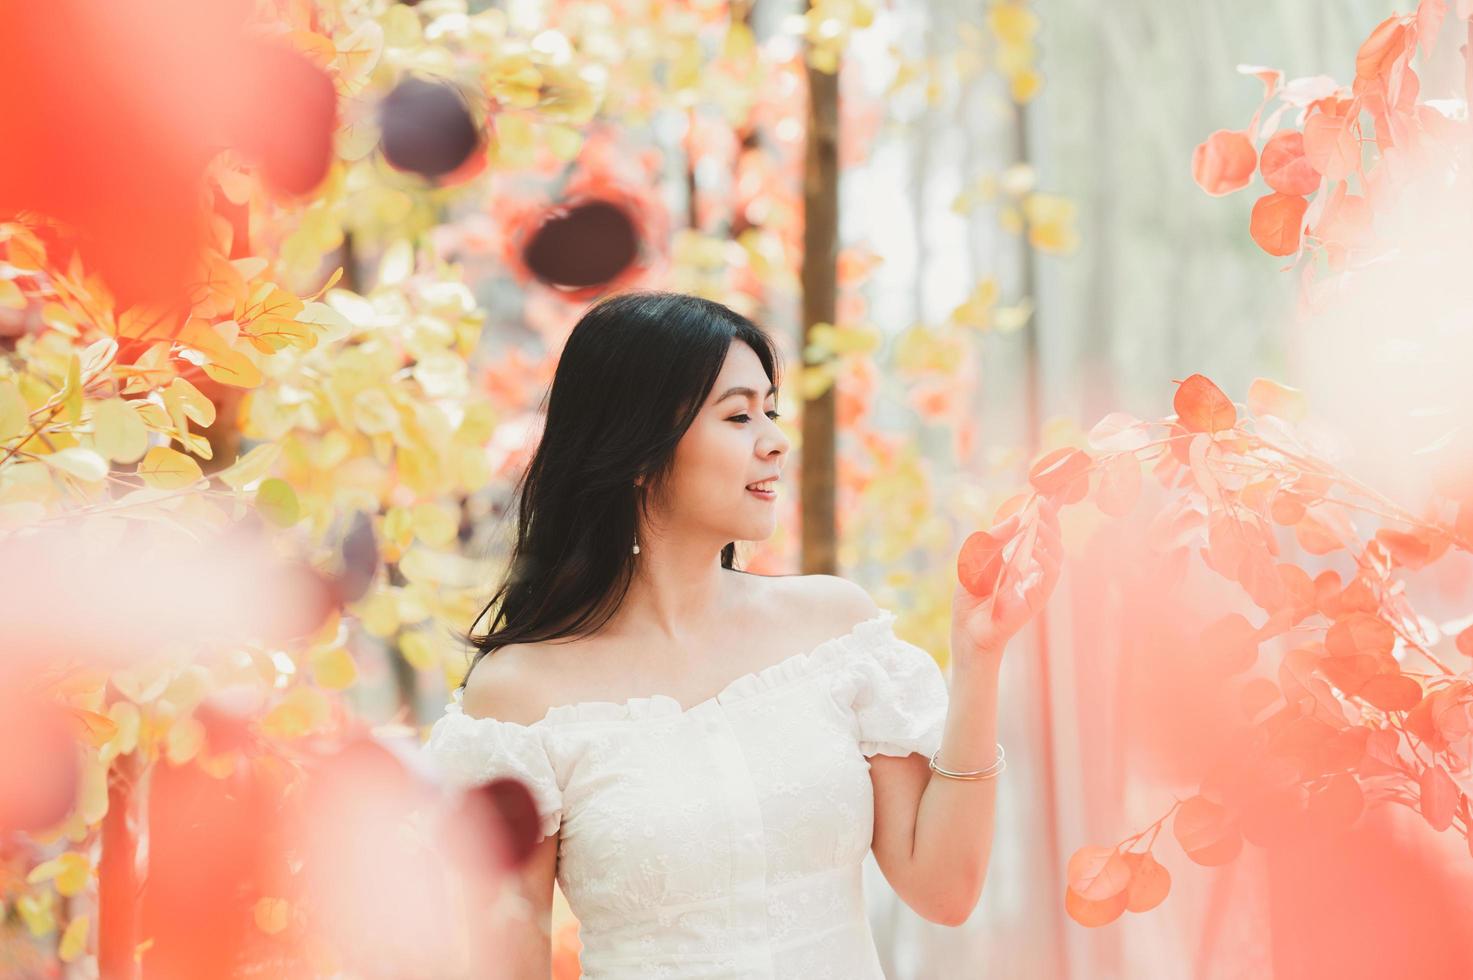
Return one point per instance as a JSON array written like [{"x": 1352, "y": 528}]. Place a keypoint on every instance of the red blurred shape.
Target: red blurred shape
[
  {"x": 109, "y": 114},
  {"x": 38, "y": 760},
  {"x": 1384, "y": 899}
]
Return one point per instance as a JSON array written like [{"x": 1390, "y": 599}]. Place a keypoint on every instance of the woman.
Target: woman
[{"x": 712, "y": 753}]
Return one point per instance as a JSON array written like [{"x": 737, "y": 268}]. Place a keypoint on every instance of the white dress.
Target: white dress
[{"x": 726, "y": 839}]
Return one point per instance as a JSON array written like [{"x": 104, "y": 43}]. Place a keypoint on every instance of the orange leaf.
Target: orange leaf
[
  {"x": 1286, "y": 508},
  {"x": 1439, "y": 797},
  {"x": 1224, "y": 162},
  {"x": 1429, "y": 22},
  {"x": 1391, "y": 692},
  {"x": 1332, "y": 145},
  {"x": 1206, "y": 832},
  {"x": 1346, "y": 221},
  {"x": 96, "y": 729},
  {"x": 1098, "y": 873},
  {"x": 1276, "y": 222},
  {"x": 979, "y": 563},
  {"x": 1360, "y": 633},
  {"x": 1267, "y": 397},
  {"x": 1202, "y": 407},
  {"x": 1315, "y": 536},
  {"x": 1149, "y": 883},
  {"x": 1327, "y": 593},
  {"x": 1380, "y": 51},
  {"x": 1411, "y": 550},
  {"x": 1350, "y": 673},
  {"x": 1284, "y": 166},
  {"x": 1009, "y": 507},
  {"x": 1094, "y": 914},
  {"x": 1063, "y": 473}
]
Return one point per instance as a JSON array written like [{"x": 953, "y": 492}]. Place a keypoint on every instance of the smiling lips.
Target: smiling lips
[{"x": 765, "y": 489}]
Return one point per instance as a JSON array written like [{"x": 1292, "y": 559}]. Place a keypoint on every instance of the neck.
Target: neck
[{"x": 679, "y": 587}]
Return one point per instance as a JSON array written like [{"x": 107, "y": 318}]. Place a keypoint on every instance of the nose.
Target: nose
[{"x": 777, "y": 441}]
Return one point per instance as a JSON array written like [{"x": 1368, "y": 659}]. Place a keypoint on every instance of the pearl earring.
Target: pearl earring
[{"x": 636, "y": 540}]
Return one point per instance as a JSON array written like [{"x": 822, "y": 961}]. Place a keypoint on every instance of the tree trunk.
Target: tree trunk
[{"x": 819, "y": 277}]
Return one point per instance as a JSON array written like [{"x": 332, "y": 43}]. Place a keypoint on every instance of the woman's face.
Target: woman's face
[{"x": 732, "y": 443}]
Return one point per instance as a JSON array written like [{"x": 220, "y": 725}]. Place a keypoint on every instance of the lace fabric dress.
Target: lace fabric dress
[{"x": 726, "y": 839}]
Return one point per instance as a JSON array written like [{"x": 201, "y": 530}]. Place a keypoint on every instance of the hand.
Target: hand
[{"x": 1031, "y": 559}]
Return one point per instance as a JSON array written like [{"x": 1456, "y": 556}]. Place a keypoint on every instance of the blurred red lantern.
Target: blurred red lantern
[
  {"x": 602, "y": 236},
  {"x": 427, "y": 127}
]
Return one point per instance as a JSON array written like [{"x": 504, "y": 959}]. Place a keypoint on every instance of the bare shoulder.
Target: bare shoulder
[
  {"x": 842, "y": 603},
  {"x": 508, "y": 684}
]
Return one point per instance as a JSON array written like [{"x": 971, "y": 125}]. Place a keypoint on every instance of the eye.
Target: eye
[{"x": 744, "y": 418}]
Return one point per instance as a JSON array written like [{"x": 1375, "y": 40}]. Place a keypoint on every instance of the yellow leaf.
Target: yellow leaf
[
  {"x": 326, "y": 323},
  {"x": 1011, "y": 318},
  {"x": 117, "y": 431},
  {"x": 563, "y": 141},
  {"x": 230, "y": 367},
  {"x": 332, "y": 281},
  {"x": 277, "y": 501},
  {"x": 184, "y": 740},
  {"x": 513, "y": 145},
  {"x": 1018, "y": 180},
  {"x": 185, "y": 397},
  {"x": 334, "y": 669},
  {"x": 71, "y": 390},
  {"x": 92, "y": 801},
  {"x": 14, "y": 413},
  {"x": 167, "y": 469},
  {"x": 435, "y": 525},
  {"x": 253, "y": 466},
  {"x": 74, "y": 939},
  {"x": 817, "y": 379},
  {"x": 379, "y": 614},
  {"x": 739, "y": 43},
  {"x": 373, "y": 412},
  {"x": 219, "y": 288},
  {"x": 85, "y": 464},
  {"x": 10, "y": 295},
  {"x": 302, "y": 711},
  {"x": 26, "y": 252},
  {"x": 272, "y": 915},
  {"x": 360, "y": 50},
  {"x": 38, "y": 912},
  {"x": 824, "y": 59},
  {"x": 127, "y": 722},
  {"x": 96, "y": 729},
  {"x": 143, "y": 322},
  {"x": 418, "y": 650},
  {"x": 1011, "y": 22},
  {"x": 1025, "y": 85},
  {"x": 69, "y": 873},
  {"x": 98, "y": 357},
  {"x": 1011, "y": 220}
]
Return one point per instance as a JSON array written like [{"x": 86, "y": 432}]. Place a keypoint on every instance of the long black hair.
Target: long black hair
[{"x": 632, "y": 377}]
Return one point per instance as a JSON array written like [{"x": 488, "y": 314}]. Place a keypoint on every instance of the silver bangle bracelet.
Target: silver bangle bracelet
[{"x": 988, "y": 773}]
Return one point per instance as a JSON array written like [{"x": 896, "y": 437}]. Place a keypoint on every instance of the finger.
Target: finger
[{"x": 1050, "y": 543}]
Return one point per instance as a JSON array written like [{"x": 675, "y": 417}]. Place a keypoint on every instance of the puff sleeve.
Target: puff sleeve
[
  {"x": 470, "y": 751},
  {"x": 899, "y": 695}
]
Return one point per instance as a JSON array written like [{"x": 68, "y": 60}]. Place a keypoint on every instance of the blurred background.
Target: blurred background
[{"x": 305, "y": 267}]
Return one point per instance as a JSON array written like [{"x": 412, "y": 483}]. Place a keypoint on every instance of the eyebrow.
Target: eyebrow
[{"x": 746, "y": 392}]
